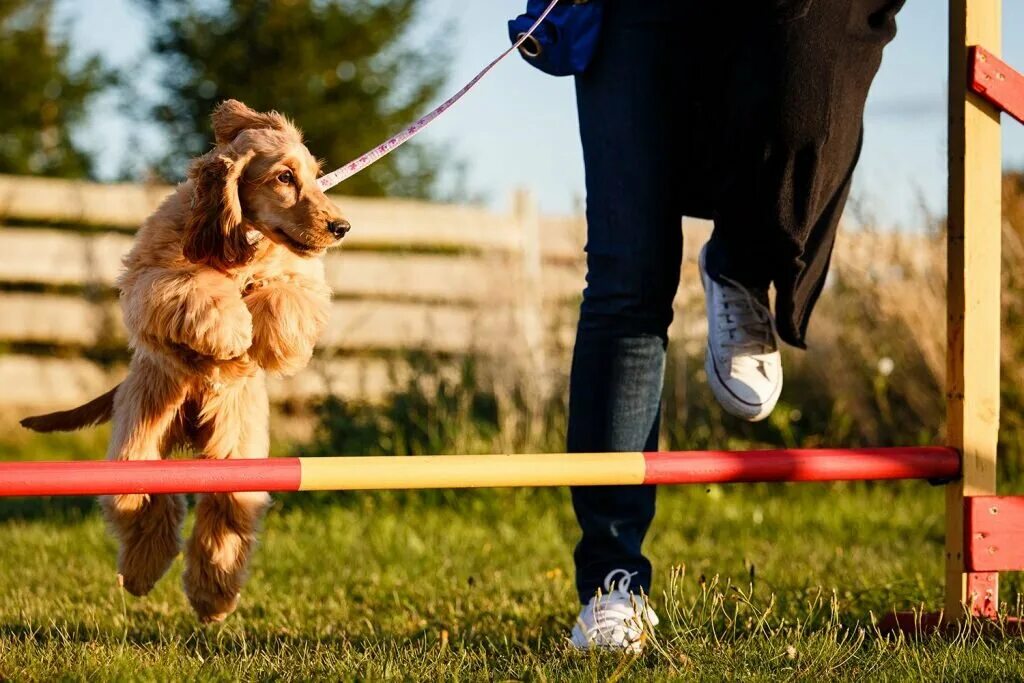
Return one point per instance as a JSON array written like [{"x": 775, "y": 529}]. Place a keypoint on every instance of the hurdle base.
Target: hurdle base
[{"x": 920, "y": 624}]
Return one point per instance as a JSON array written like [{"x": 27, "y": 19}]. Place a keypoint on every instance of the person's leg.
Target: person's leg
[
  {"x": 796, "y": 95},
  {"x": 628, "y": 113}
]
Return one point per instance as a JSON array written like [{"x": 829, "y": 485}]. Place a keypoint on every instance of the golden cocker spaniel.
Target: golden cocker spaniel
[{"x": 222, "y": 285}]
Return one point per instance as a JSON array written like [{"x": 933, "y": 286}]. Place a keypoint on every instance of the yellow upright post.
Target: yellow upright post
[{"x": 973, "y": 295}]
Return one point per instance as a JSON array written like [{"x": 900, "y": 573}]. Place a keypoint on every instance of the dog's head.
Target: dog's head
[{"x": 261, "y": 177}]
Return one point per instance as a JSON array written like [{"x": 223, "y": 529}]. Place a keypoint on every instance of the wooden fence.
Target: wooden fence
[{"x": 411, "y": 276}]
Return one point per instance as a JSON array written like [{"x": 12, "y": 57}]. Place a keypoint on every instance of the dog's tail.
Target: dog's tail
[{"x": 96, "y": 411}]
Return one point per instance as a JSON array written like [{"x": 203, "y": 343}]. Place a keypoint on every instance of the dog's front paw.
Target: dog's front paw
[{"x": 227, "y": 332}]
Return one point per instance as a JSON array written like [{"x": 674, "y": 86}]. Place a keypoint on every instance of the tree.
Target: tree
[
  {"x": 44, "y": 97},
  {"x": 345, "y": 71}
]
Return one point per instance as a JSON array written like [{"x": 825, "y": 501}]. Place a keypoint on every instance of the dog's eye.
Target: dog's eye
[{"x": 286, "y": 177}]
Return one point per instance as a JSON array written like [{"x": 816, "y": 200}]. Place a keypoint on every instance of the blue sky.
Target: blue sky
[{"x": 518, "y": 128}]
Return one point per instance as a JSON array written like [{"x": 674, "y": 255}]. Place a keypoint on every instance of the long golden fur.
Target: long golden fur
[{"x": 222, "y": 285}]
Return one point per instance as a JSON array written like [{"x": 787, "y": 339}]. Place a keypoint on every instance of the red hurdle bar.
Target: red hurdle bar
[{"x": 91, "y": 478}]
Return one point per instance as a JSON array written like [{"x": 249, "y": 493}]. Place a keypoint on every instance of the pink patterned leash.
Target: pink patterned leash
[{"x": 331, "y": 179}]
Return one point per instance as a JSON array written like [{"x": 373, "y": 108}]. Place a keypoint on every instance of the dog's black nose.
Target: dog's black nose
[{"x": 338, "y": 228}]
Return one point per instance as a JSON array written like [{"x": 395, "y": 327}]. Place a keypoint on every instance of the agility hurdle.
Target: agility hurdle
[
  {"x": 983, "y": 531},
  {"x": 94, "y": 478}
]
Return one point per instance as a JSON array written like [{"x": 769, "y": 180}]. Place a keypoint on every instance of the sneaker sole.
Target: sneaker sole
[{"x": 730, "y": 402}]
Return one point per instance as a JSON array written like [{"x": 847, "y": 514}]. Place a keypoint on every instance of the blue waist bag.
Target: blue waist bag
[{"x": 564, "y": 44}]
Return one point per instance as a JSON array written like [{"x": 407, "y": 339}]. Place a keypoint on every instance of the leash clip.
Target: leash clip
[{"x": 529, "y": 46}]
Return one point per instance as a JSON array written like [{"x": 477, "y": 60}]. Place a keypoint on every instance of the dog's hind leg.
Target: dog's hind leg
[
  {"x": 148, "y": 526},
  {"x": 216, "y": 557}
]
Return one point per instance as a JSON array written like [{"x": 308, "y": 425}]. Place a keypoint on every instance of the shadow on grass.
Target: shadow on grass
[
  {"x": 31, "y": 509},
  {"x": 224, "y": 640}
]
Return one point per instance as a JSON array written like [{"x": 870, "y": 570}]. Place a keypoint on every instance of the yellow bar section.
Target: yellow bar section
[{"x": 470, "y": 471}]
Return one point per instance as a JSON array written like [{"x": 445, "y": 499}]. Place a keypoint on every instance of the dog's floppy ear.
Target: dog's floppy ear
[
  {"x": 215, "y": 231},
  {"x": 231, "y": 117}
]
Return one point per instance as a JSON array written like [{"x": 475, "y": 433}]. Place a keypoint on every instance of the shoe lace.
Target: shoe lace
[{"x": 746, "y": 318}]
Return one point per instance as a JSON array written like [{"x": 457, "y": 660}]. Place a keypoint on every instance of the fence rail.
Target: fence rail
[
  {"x": 412, "y": 276},
  {"x": 379, "y": 223}
]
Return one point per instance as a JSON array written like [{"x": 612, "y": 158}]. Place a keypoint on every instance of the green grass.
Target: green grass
[{"x": 764, "y": 582}]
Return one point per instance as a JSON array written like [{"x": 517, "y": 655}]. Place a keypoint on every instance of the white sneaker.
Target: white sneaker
[
  {"x": 742, "y": 362},
  {"x": 616, "y": 619}
]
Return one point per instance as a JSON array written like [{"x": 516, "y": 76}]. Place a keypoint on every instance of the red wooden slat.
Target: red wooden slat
[
  {"x": 994, "y": 533},
  {"x": 997, "y": 82},
  {"x": 983, "y": 594}
]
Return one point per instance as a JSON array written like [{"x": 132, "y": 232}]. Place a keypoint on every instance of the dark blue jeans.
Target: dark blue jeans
[{"x": 748, "y": 113}]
